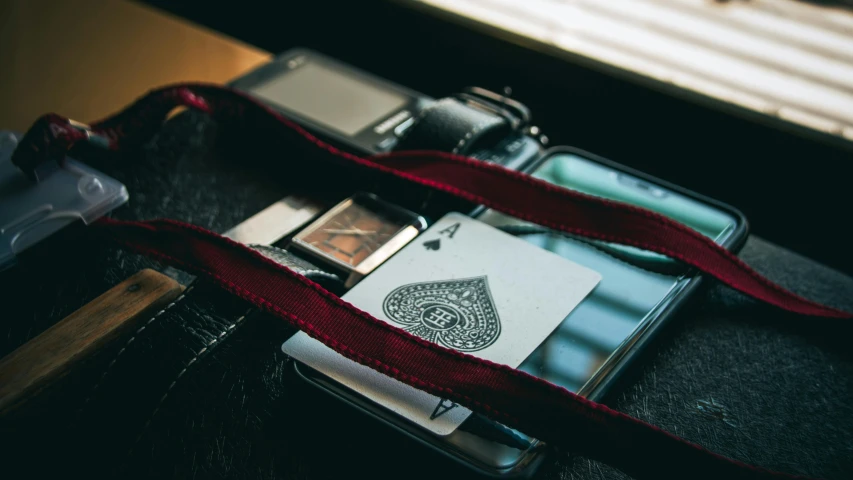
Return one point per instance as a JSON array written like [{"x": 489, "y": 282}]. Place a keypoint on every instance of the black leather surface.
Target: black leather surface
[
  {"x": 104, "y": 406},
  {"x": 738, "y": 377}
]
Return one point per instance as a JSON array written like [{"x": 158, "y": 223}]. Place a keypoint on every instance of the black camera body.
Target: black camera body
[{"x": 367, "y": 115}]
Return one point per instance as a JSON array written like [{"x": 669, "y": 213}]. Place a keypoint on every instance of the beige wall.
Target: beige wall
[{"x": 87, "y": 58}]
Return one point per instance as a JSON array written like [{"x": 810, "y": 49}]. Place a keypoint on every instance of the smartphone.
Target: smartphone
[
  {"x": 590, "y": 349},
  {"x": 638, "y": 290}
]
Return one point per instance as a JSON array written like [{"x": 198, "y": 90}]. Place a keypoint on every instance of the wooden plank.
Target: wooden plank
[{"x": 47, "y": 357}]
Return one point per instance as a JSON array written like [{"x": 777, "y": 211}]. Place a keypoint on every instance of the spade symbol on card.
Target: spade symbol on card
[
  {"x": 443, "y": 407},
  {"x": 433, "y": 244},
  {"x": 456, "y": 313}
]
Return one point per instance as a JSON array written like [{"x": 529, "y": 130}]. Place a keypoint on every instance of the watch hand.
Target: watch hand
[{"x": 343, "y": 231}]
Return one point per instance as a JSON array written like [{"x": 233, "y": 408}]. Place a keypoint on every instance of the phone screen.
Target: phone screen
[{"x": 635, "y": 284}]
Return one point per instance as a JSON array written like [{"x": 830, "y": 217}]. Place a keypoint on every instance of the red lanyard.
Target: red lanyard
[{"x": 515, "y": 398}]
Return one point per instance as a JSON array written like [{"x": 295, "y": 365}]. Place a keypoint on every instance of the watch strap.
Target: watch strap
[
  {"x": 297, "y": 264},
  {"x": 451, "y": 125}
]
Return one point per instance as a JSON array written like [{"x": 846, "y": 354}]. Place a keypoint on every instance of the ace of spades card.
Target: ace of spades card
[{"x": 464, "y": 285}]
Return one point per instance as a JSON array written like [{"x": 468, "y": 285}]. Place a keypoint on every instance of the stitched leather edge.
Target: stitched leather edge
[
  {"x": 229, "y": 330},
  {"x": 109, "y": 366}
]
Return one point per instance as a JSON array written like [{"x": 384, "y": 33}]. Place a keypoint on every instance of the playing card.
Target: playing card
[{"x": 464, "y": 285}]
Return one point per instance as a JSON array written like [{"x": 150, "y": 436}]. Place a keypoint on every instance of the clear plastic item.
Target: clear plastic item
[{"x": 31, "y": 212}]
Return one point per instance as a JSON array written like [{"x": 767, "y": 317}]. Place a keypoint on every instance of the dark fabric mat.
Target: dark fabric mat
[
  {"x": 749, "y": 382},
  {"x": 738, "y": 377}
]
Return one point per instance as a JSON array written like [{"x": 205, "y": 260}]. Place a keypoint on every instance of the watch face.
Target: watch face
[{"x": 356, "y": 229}]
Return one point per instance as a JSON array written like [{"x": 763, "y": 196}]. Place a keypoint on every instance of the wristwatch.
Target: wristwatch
[{"x": 357, "y": 235}]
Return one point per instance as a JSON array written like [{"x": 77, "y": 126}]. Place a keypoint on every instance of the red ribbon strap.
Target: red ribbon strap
[
  {"x": 512, "y": 397},
  {"x": 484, "y": 183}
]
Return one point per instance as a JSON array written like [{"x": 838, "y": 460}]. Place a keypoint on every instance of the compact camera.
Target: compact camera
[{"x": 367, "y": 115}]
